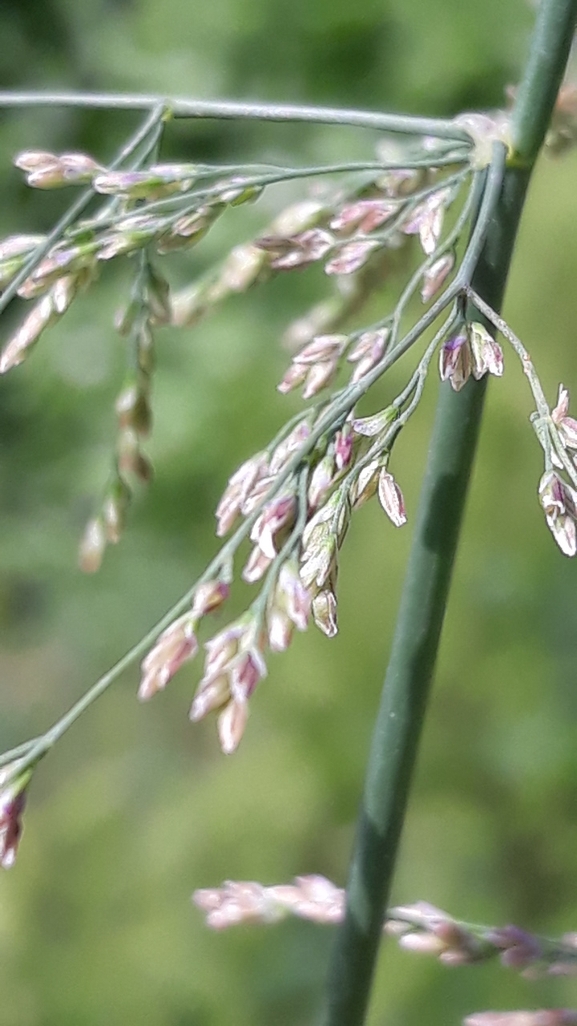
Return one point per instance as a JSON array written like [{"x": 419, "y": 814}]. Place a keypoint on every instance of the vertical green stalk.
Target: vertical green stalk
[{"x": 416, "y": 639}]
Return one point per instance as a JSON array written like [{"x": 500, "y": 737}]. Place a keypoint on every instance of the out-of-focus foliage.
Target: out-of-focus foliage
[{"x": 136, "y": 807}]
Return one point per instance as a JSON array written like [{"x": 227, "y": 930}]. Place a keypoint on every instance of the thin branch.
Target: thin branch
[
  {"x": 542, "y": 421},
  {"x": 181, "y": 107},
  {"x": 550, "y": 47},
  {"x": 515, "y": 341},
  {"x": 252, "y": 175}
]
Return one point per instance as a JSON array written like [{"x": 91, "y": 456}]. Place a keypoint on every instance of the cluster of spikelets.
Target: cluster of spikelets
[
  {"x": 296, "y": 535},
  {"x": 298, "y": 496},
  {"x": 419, "y": 928},
  {"x": 356, "y": 232},
  {"x": 349, "y": 230},
  {"x": 294, "y": 499}
]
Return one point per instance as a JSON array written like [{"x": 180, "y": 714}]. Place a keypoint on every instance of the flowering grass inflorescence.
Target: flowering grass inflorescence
[
  {"x": 403, "y": 215},
  {"x": 294, "y": 500},
  {"x": 299, "y": 493},
  {"x": 419, "y": 928}
]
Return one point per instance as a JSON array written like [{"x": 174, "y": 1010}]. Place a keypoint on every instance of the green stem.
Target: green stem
[
  {"x": 417, "y": 634},
  {"x": 550, "y": 47},
  {"x": 181, "y": 107},
  {"x": 404, "y": 696}
]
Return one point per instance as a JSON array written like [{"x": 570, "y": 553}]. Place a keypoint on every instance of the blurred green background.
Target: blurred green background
[{"x": 136, "y": 807}]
